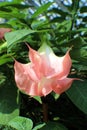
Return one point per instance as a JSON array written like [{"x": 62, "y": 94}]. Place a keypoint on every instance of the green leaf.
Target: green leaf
[
  {"x": 55, "y": 95},
  {"x": 10, "y": 15},
  {"x": 38, "y": 99},
  {"x": 12, "y": 5},
  {"x": 13, "y": 37},
  {"x": 5, "y": 58},
  {"x": 18, "y": 23},
  {"x": 18, "y": 1},
  {"x": 38, "y": 24},
  {"x": 21, "y": 123},
  {"x": 78, "y": 94},
  {"x": 38, "y": 127},
  {"x": 15, "y": 4},
  {"x": 64, "y": 26},
  {"x": 3, "y": 47},
  {"x": 52, "y": 126},
  {"x": 8, "y": 103},
  {"x": 42, "y": 9},
  {"x": 19, "y": 35}
]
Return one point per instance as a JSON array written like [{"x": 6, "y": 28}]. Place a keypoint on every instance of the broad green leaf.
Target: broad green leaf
[
  {"x": 78, "y": 94},
  {"x": 19, "y": 35},
  {"x": 21, "y": 123},
  {"x": 52, "y": 126},
  {"x": 8, "y": 102},
  {"x": 42, "y": 9},
  {"x": 15, "y": 36}
]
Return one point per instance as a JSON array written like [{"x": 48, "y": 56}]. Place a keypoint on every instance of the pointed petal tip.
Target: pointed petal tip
[
  {"x": 70, "y": 48},
  {"x": 27, "y": 45},
  {"x": 30, "y": 49}
]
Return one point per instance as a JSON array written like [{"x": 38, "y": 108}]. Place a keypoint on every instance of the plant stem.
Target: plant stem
[
  {"x": 45, "y": 112},
  {"x": 45, "y": 109}
]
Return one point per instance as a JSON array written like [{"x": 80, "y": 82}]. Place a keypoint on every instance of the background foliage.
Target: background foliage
[{"x": 63, "y": 24}]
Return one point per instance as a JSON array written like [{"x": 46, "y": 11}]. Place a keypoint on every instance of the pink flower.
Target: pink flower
[
  {"x": 45, "y": 72},
  {"x": 3, "y": 31}
]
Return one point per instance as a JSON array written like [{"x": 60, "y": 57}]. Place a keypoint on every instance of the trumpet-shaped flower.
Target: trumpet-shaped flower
[{"x": 45, "y": 72}]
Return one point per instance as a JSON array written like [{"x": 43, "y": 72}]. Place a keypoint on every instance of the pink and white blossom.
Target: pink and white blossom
[{"x": 45, "y": 72}]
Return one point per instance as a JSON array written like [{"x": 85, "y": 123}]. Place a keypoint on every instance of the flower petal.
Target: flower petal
[
  {"x": 45, "y": 86},
  {"x": 48, "y": 64},
  {"x": 62, "y": 85},
  {"x": 41, "y": 88},
  {"x": 25, "y": 78},
  {"x": 41, "y": 64},
  {"x": 45, "y": 73},
  {"x": 61, "y": 65},
  {"x": 24, "y": 69},
  {"x": 30, "y": 84},
  {"x": 56, "y": 66},
  {"x": 46, "y": 52},
  {"x": 36, "y": 61}
]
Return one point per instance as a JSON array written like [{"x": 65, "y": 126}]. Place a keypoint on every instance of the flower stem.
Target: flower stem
[
  {"x": 45, "y": 109},
  {"x": 45, "y": 112}
]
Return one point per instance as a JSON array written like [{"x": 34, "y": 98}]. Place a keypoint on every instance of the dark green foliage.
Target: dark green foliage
[{"x": 9, "y": 107}]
